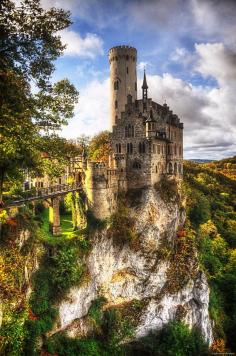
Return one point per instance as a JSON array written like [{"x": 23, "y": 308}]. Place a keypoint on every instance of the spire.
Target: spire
[{"x": 144, "y": 86}]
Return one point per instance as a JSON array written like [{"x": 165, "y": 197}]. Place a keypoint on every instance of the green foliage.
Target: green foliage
[
  {"x": 95, "y": 313},
  {"x": 67, "y": 270},
  {"x": 29, "y": 45},
  {"x": 12, "y": 333},
  {"x": 175, "y": 339},
  {"x": 62, "y": 345},
  {"x": 60, "y": 269},
  {"x": 211, "y": 202}
]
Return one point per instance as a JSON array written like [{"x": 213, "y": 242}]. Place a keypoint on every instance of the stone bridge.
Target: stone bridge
[{"x": 52, "y": 195}]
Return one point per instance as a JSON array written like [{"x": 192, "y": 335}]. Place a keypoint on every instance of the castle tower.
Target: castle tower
[{"x": 123, "y": 79}]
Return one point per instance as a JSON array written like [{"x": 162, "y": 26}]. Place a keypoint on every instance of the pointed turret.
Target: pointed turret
[{"x": 144, "y": 86}]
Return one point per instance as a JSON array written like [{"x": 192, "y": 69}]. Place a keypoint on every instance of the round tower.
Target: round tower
[{"x": 123, "y": 79}]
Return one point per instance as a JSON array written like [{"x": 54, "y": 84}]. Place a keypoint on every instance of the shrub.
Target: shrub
[{"x": 175, "y": 339}]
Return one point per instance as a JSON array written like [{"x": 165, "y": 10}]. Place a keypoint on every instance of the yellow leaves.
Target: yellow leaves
[
  {"x": 219, "y": 246},
  {"x": 231, "y": 265},
  {"x": 12, "y": 265},
  {"x": 3, "y": 216},
  {"x": 218, "y": 346},
  {"x": 208, "y": 229}
]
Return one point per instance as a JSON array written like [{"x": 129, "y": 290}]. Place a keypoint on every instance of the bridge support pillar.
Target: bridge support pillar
[{"x": 54, "y": 216}]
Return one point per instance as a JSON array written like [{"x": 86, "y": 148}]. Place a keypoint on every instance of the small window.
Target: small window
[
  {"x": 136, "y": 165},
  {"x": 127, "y": 70},
  {"x": 127, "y": 58},
  {"x": 116, "y": 104},
  {"x": 116, "y": 85}
]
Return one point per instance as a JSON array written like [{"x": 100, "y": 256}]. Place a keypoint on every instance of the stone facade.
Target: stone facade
[{"x": 146, "y": 138}]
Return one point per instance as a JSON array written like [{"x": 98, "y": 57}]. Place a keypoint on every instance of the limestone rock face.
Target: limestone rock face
[{"x": 122, "y": 273}]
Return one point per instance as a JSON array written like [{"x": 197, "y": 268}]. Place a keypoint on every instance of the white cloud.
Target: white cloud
[
  {"x": 217, "y": 61},
  {"x": 92, "y": 111},
  {"x": 88, "y": 47}
]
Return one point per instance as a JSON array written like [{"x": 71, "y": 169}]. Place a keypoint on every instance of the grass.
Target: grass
[{"x": 66, "y": 226}]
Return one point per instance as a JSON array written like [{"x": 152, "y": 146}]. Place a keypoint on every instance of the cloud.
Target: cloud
[
  {"x": 88, "y": 47},
  {"x": 92, "y": 111},
  {"x": 218, "y": 61},
  {"x": 216, "y": 19}
]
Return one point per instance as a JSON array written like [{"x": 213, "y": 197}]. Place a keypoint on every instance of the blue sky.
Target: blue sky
[{"x": 188, "y": 48}]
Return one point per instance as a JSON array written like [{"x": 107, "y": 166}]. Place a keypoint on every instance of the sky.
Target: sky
[{"x": 188, "y": 48}]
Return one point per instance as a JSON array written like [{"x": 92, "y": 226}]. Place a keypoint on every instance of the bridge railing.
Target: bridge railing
[
  {"x": 56, "y": 189},
  {"x": 46, "y": 192}
]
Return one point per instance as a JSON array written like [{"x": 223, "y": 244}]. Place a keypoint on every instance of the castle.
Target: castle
[{"x": 146, "y": 138}]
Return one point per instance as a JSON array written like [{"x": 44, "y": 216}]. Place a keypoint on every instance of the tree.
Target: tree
[
  {"x": 99, "y": 147},
  {"x": 29, "y": 45}
]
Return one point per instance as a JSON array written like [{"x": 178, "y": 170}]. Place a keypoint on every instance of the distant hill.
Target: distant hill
[
  {"x": 198, "y": 160},
  {"x": 226, "y": 166}
]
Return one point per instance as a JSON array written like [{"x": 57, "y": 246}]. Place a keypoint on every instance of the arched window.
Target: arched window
[
  {"x": 180, "y": 168},
  {"x": 129, "y": 130},
  {"x": 116, "y": 85},
  {"x": 132, "y": 131},
  {"x": 130, "y": 148},
  {"x": 141, "y": 147},
  {"x": 170, "y": 168},
  {"x": 175, "y": 167},
  {"x": 137, "y": 165}
]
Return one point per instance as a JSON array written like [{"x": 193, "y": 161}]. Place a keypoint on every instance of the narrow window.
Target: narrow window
[
  {"x": 116, "y": 104},
  {"x": 127, "y": 70}
]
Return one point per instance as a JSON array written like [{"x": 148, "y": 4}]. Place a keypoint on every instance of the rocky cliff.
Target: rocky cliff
[{"x": 157, "y": 266}]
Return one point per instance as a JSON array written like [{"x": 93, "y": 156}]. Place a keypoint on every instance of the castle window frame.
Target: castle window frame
[
  {"x": 137, "y": 165},
  {"x": 130, "y": 148},
  {"x": 118, "y": 148},
  {"x": 142, "y": 147},
  {"x": 116, "y": 85}
]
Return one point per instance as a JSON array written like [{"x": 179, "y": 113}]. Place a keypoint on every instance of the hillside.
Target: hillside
[
  {"x": 135, "y": 284},
  {"x": 211, "y": 205}
]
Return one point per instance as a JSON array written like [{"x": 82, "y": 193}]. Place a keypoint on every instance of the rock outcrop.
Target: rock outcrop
[{"x": 145, "y": 271}]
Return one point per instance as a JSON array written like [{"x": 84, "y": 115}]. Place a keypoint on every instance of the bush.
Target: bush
[
  {"x": 62, "y": 345},
  {"x": 176, "y": 339}
]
